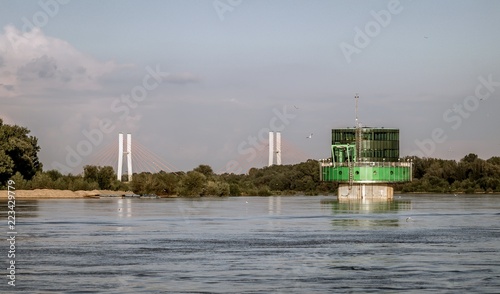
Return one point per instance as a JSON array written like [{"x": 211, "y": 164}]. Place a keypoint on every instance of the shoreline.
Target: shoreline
[
  {"x": 68, "y": 194},
  {"x": 59, "y": 194}
]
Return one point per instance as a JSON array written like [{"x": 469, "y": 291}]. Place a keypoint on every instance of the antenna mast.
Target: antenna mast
[{"x": 358, "y": 131}]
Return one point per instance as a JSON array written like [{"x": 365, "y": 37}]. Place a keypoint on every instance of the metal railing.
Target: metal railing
[{"x": 366, "y": 164}]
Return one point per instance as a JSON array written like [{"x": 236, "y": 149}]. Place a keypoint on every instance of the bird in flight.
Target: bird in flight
[{"x": 310, "y": 136}]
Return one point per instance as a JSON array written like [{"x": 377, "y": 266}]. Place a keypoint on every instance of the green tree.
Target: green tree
[
  {"x": 62, "y": 183},
  {"x": 104, "y": 176},
  {"x": 419, "y": 166},
  {"x": 217, "y": 188},
  {"x": 21, "y": 183},
  {"x": 204, "y": 169},
  {"x": 42, "y": 180},
  {"x": 234, "y": 189},
  {"x": 6, "y": 166},
  {"x": 495, "y": 160},
  {"x": 91, "y": 173},
  {"x": 165, "y": 183},
  {"x": 470, "y": 158},
  {"x": 78, "y": 183},
  {"x": 143, "y": 183},
  {"x": 192, "y": 184},
  {"x": 18, "y": 152},
  {"x": 54, "y": 174}
]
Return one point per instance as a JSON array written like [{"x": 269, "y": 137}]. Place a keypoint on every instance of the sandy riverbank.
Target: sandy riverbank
[{"x": 50, "y": 193}]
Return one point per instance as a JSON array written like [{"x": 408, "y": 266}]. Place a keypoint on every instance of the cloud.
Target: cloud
[
  {"x": 40, "y": 68},
  {"x": 31, "y": 62},
  {"x": 59, "y": 92}
]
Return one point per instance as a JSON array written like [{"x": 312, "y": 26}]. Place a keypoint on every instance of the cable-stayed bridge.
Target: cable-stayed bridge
[{"x": 142, "y": 159}]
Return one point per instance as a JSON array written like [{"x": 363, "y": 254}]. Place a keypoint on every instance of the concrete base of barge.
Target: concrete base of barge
[{"x": 365, "y": 192}]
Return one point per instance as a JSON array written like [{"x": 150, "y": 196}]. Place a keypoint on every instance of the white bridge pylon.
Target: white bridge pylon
[
  {"x": 274, "y": 149},
  {"x": 120, "y": 157}
]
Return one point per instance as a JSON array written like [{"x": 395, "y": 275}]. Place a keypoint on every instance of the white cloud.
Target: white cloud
[
  {"x": 31, "y": 62},
  {"x": 57, "y": 91}
]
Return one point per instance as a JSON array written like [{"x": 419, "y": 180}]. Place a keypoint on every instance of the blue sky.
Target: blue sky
[{"x": 230, "y": 68}]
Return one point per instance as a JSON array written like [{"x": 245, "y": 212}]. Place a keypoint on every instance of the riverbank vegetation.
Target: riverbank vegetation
[
  {"x": 471, "y": 174},
  {"x": 19, "y": 162},
  {"x": 430, "y": 175}
]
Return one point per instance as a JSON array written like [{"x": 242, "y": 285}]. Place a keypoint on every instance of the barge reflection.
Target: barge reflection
[{"x": 368, "y": 213}]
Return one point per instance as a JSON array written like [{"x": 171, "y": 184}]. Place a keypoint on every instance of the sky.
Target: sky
[{"x": 204, "y": 81}]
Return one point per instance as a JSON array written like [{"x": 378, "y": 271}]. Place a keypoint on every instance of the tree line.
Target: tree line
[
  {"x": 201, "y": 181},
  {"x": 19, "y": 162},
  {"x": 471, "y": 174}
]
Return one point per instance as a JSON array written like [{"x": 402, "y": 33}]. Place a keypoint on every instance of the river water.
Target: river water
[{"x": 286, "y": 244}]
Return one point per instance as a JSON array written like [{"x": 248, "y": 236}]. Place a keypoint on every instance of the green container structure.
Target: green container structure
[
  {"x": 377, "y": 144},
  {"x": 365, "y": 156}
]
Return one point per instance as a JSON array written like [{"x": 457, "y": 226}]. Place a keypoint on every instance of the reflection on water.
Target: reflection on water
[
  {"x": 353, "y": 212},
  {"x": 366, "y": 222},
  {"x": 284, "y": 244},
  {"x": 367, "y": 206},
  {"x": 124, "y": 207},
  {"x": 23, "y": 208},
  {"x": 274, "y": 205}
]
